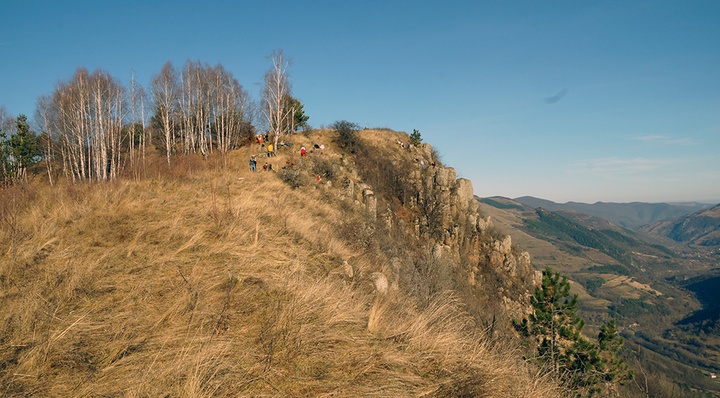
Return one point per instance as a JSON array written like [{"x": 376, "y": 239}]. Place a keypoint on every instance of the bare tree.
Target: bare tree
[
  {"x": 275, "y": 91},
  {"x": 213, "y": 109},
  {"x": 164, "y": 87},
  {"x": 230, "y": 110},
  {"x": 42, "y": 117},
  {"x": 87, "y": 115}
]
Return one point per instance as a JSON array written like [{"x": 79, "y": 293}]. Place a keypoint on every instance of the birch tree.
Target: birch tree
[
  {"x": 6, "y": 168},
  {"x": 276, "y": 90},
  {"x": 164, "y": 87},
  {"x": 136, "y": 135},
  {"x": 42, "y": 117},
  {"x": 231, "y": 111},
  {"x": 87, "y": 115}
]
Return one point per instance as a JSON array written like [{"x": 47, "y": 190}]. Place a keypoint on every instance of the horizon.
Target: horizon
[
  {"x": 710, "y": 203},
  {"x": 568, "y": 101}
]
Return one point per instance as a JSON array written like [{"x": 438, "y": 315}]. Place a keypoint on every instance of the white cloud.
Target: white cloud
[
  {"x": 664, "y": 140},
  {"x": 615, "y": 166}
]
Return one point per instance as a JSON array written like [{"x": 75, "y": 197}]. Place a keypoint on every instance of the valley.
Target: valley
[{"x": 662, "y": 292}]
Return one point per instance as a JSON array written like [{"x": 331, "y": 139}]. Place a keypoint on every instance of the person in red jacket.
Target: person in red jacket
[{"x": 303, "y": 152}]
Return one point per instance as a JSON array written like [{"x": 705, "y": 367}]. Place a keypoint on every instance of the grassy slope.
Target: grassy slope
[{"x": 202, "y": 281}]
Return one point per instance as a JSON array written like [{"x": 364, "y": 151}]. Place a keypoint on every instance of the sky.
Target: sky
[{"x": 586, "y": 101}]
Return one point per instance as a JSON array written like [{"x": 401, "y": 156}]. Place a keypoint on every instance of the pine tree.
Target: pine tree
[
  {"x": 22, "y": 149},
  {"x": 299, "y": 119},
  {"x": 554, "y": 320},
  {"x": 610, "y": 343},
  {"x": 415, "y": 138},
  {"x": 557, "y": 331}
]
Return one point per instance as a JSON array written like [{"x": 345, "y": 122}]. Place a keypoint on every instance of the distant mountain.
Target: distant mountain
[
  {"x": 645, "y": 281},
  {"x": 701, "y": 228},
  {"x": 630, "y": 215},
  {"x": 595, "y": 240}
]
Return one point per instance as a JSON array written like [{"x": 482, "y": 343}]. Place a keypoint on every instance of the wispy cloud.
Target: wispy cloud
[
  {"x": 664, "y": 140},
  {"x": 557, "y": 97},
  {"x": 615, "y": 166}
]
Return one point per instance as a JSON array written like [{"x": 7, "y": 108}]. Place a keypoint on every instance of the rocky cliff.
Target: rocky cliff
[{"x": 408, "y": 193}]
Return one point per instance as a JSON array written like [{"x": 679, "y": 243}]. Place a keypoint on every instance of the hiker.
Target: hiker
[
  {"x": 303, "y": 152},
  {"x": 253, "y": 163},
  {"x": 270, "y": 150},
  {"x": 265, "y": 166}
]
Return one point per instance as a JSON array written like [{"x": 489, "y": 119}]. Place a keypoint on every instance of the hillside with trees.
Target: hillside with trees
[
  {"x": 207, "y": 279},
  {"x": 185, "y": 240},
  {"x": 660, "y": 293}
]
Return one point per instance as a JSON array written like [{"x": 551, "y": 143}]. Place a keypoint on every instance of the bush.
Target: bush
[
  {"x": 290, "y": 177},
  {"x": 347, "y": 137},
  {"x": 323, "y": 168}
]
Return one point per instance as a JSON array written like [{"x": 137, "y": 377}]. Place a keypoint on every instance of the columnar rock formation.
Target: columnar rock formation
[{"x": 466, "y": 253}]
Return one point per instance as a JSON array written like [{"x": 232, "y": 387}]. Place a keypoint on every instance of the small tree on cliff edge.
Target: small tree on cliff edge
[{"x": 415, "y": 138}]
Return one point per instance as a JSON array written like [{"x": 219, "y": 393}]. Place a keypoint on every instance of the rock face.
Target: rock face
[
  {"x": 370, "y": 203},
  {"x": 468, "y": 255},
  {"x": 449, "y": 245}
]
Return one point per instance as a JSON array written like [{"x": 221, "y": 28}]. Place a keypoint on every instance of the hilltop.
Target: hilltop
[
  {"x": 367, "y": 272},
  {"x": 701, "y": 228}
]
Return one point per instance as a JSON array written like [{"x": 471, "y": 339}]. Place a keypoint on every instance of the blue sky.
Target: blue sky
[{"x": 564, "y": 100}]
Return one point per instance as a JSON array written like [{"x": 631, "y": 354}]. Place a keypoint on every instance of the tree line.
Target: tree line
[{"x": 93, "y": 128}]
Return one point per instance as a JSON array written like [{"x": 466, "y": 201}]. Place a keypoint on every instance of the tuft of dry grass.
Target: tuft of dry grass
[{"x": 201, "y": 281}]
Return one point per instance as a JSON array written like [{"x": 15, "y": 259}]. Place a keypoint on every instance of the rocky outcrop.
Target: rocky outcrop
[
  {"x": 450, "y": 245},
  {"x": 484, "y": 262}
]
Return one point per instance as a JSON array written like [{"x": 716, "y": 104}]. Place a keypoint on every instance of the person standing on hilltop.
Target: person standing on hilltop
[
  {"x": 271, "y": 150},
  {"x": 253, "y": 163}
]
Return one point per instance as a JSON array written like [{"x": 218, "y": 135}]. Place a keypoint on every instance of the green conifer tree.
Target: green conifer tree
[
  {"x": 557, "y": 331},
  {"x": 415, "y": 138},
  {"x": 20, "y": 151},
  {"x": 610, "y": 343},
  {"x": 24, "y": 145}
]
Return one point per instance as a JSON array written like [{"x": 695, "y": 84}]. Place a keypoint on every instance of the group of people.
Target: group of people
[
  {"x": 271, "y": 152},
  {"x": 253, "y": 165},
  {"x": 318, "y": 147}
]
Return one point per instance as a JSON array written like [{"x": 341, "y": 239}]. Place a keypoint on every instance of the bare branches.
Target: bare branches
[
  {"x": 164, "y": 88},
  {"x": 276, "y": 90},
  {"x": 87, "y": 115},
  {"x": 202, "y": 109}
]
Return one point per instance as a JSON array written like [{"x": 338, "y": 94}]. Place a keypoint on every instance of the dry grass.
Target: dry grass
[{"x": 200, "y": 281}]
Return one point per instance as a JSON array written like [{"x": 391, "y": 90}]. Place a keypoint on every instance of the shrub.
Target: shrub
[
  {"x": 290, "y": 177},
  {"x": 347, "y": 137},
  {"x": 323, "y": 168}
]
